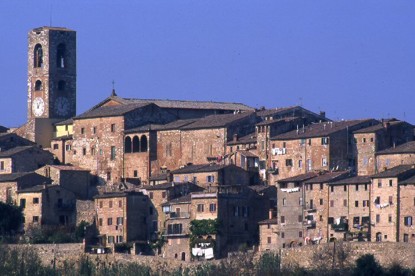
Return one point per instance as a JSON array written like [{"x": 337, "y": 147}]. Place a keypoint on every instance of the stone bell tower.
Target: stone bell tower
[{"x": 51, "y": 82}]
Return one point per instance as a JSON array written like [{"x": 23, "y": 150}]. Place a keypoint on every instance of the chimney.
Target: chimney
[
  {"x": 235, "y": 137},
  {"x": 270, "y": 214}
]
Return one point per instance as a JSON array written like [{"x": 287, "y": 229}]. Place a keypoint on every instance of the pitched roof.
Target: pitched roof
[
  {"x": 247, "y": 153},
  {"x": 398, "y": 171},
  {"x": 276, "y": 111},
  {"x": 214, "y": 121},
  {"x": 375, "y": 128},
  {"x": 410, "y": 180},
  {"x": 12, "y": 176},
  {"x": 3, "y": 129},
  {"x": 15, "y": 150},
  {"x": 321, "y": 129},
  {"x": 275, "y": 121},
  {"x": 110, "y": 111},
  {"x": 162, "y": 176},
  {"x": 179, "y": 104},
  {"x": 64, "y": 122},
  {"x": 408, "y": 147},
  {"x": 178, "y": 124},
  {"x": 328, "y": 177},
  {"x": 200, "y": 168},
  {"x": 166, "y": 186},
  {"x": 183, "y": 199},
  {"x": 299, "y": 178},
  {"x": 118, "y": 194},
  {"x": 68, "y": 168},
  {"x": 247, "y": 139},
  {"x": 39, "y": 188},
  {"x": 353, "y": 180}
]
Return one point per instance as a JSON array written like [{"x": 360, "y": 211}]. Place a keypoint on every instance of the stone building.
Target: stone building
[
  {"x": 403, "y": 154},
  {"x": 24, "y": 159},
  {"x": 74, "y": 179},
  {"x": 385, "y": 202},
  {"x": 320, "y": 146},
  {"x": 161, "y": 194},
  {"x": 121, "y": 217},
  {"x": 47, "y": 205},
  {"x": 212, "y": 175},
  {"x": 349, "y": 205},
  {"x": 406, "y": 210},
  {"x": 371, "y": 140},
  {"x": 13, "y": 182}
]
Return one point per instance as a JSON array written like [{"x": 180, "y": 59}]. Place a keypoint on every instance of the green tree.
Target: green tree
[
  {"x": 11, "y": 218},
  {"x": 367, "y": 265}
]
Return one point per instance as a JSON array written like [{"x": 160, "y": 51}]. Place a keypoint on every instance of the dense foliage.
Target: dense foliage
[
  {"x": 204, "y": 227},
  {"x": 11, "y": 218}
]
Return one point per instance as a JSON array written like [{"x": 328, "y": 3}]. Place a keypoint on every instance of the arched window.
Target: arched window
[
  {"x": 38, "y": 56},
  {"x": 136, "y": 144},
  {"x": 143, "y": 143},
  {"x": 38, "y": 85},
  {"x": 61, "y": 85},
  {"x": 60, "y": 56},
  {"x": 127, "y": 144}
]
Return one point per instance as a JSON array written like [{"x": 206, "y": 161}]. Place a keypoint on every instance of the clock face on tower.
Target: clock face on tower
[
  {"x": 61, "y": 106},
  {"x": 38, "y": 106}
]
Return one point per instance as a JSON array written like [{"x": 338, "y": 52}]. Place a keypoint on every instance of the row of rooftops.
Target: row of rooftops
[{"x": 406, "y": 173}]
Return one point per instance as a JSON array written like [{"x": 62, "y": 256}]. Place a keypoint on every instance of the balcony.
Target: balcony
[
  {"x": 341, "y": 226},
  {"x": 310, "y": 223},
  {"x": 179, "y": 215}
]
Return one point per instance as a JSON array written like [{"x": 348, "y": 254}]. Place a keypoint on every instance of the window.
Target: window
[
  {"x": 284, "y": 201},
  {"x": 210, "y": 179},
  {"x": 302, "y": 141},
  {"x": 60, "y": 56},
  {"x": 331, "y": 203},
  {"x": 300, "y": 234},
  {"x": 324, "y": 162},
  {"x": 330, "y": 220},
  {"x": 36, "y": 200},
  {"x": 151, "y": 195},
  {"x": 311, "y": 186},
  {"x": 282, "y": 219},
  {"x": 282, "y": 235},
  {"x": 120, "y": 220},
  {"x": 38, "y": 85},
  {"x": 120, "y": 203},
  {"x": 356, "y": 220},
  {"x": 35, "y": 219},
  {"x": 236, "y": 211},
  {"x": 200, "y": 208},
  {"x": 68, "y": 147},
  {"x": 135, "y": 173},
  {"x": 407, "y": 221},
  {"x": 364, "y": 140},
  {"x": 23, "y": 203},
  {"x": 100, "y": 221},
  {"x": 379, "y": 183},
  {"x": 377, "y": 200},
  {"x": 1, "y": 165},
  {"x": 110, "y": 204},
  {"x": 112, "y": 127},
  {"x": 212, "y": 207},
  {"x": 269, "y": 239},
  {"x": 288, "y": 162},
  {"x": 390, "y": 200},
  {"x": 321, "y": 218},
  {"x": 311, "y": 204},
  {"x": 321, "y": 201},
  {"x": 325, "y": 140},
  {"x": 345, "y": 188},
  {"x": 92, "y": 151},
  {"x": 405, "y": 237},
  {"x": 143, "y": 145},
  {"x": 300, "y": 218},
  {"x": 101, "y": 204},
  {"x": 94, "y": 130},
  {"x": 365, "y": 203},
  {"x": 82, "y": 130},
  {"x": 345, "y": 202},
  {"x": 163, "y": 194},
  {"x": 356, "y": 203},
  {"x": 110, "y": 239},
  {"x": 113, "y": 153},
  {"x": 390, "y": 218},
  {"x": 108, "y": 176},
  {"x": 300, "y": 201},
  {"x": 357, "y": 187},
  {"x": 55, "y": 147},
  {"x": 332, "y": 188},
  {"x": 365, "y": 187},
  {"x": 321, "y": 186},
  {"x": 83, "y": 151},
  {"x": 109, "y": 221},
  {"x": 377, "y": 218},
  {"x": 38, "y": 56},
  {"x": 390, "y": 183},
  {"x": 300, "y": 163}
]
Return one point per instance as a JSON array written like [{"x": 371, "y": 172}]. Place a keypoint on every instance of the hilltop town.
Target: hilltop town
[{"x": 193, "y": 180}]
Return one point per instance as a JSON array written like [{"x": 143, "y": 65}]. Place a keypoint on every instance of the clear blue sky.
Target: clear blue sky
[{"x": 352, "y": 59}]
